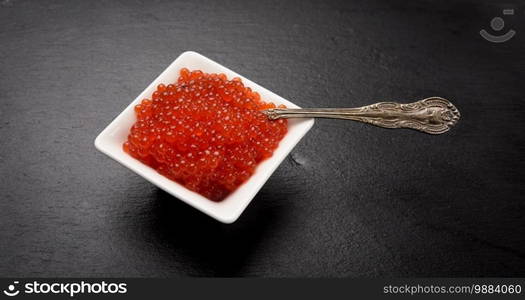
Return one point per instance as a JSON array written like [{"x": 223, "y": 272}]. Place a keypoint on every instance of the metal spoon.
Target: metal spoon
[{"x": 433, "y": 115}]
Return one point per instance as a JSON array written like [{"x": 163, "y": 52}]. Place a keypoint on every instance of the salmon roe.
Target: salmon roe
[{"x": 205, "y": 132}]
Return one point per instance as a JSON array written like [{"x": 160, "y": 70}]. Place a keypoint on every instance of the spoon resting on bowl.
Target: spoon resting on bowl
[{"x": 432, "y": 115}]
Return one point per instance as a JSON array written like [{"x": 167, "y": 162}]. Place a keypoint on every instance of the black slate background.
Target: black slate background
[{"x": 351, "y": 200}]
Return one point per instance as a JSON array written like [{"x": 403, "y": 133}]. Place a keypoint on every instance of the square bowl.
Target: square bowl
[{"x": 111, "y": 139}]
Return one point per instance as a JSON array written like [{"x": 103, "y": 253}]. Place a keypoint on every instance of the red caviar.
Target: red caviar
[{"x": 205, "y": 132}]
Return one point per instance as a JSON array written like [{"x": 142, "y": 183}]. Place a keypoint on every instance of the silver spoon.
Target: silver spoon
[{"x": 433, "y": 115}]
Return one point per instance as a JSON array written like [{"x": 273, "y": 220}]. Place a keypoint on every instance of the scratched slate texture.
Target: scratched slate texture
[{"x": 350, "y": 201}]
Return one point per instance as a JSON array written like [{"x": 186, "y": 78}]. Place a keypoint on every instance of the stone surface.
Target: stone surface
[{"x": 352, "y": 200}]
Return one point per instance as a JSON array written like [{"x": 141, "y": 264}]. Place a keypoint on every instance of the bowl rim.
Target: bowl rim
[{"x": 212, "y": 208}]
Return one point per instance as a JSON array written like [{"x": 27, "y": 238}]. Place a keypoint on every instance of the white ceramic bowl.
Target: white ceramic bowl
[{"x": 110, "y": 141}]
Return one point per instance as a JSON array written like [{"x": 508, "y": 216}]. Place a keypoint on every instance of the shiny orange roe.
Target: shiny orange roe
[{"x": 205, "y": 132}]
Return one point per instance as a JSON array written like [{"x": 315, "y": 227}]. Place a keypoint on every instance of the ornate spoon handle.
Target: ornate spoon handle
[{"x": 433, "y": 115}]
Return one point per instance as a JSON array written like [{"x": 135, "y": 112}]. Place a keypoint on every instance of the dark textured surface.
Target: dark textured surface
[{"x": 351, "y": 200}]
